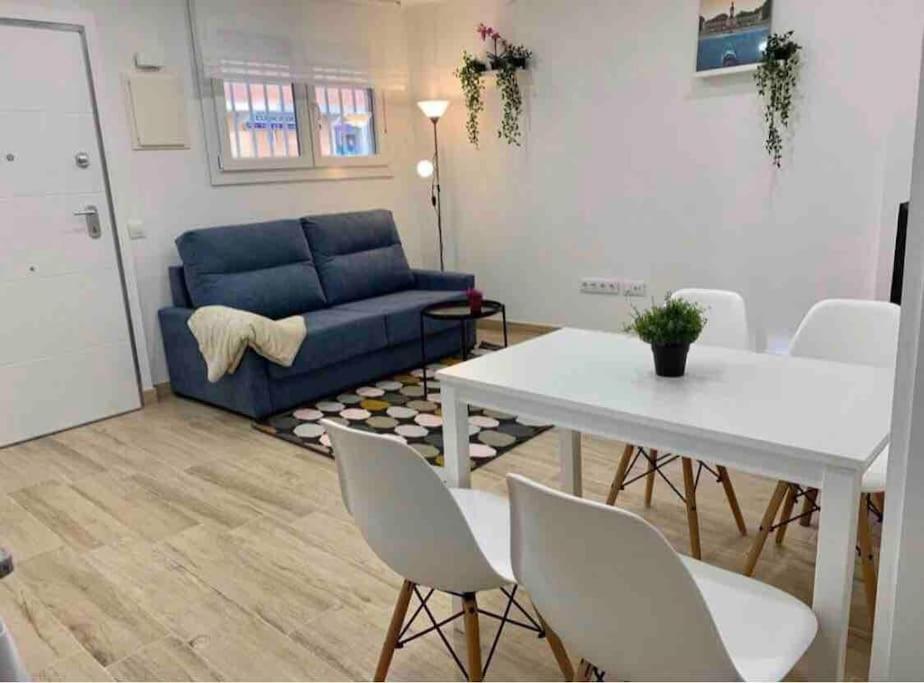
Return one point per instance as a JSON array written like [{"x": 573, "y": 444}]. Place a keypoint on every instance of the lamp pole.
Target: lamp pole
[
  {"x": 436, "y": 198},
  {"x": 434, "y": 110}
]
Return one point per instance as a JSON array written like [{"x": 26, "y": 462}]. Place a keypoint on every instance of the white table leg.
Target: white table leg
[
  {"x": 834, "y": 564},
  {"x": 570, "y": 456},
  {"x": 456, "y": 456}
]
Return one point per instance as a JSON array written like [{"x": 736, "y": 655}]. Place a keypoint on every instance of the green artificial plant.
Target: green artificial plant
[
  {"x": 470, "y": 76},
  {"x": 676, "y": 321},
  {"x": 505, "y": 60},
  {"x": 777, "y": 78},
  {"x": 515, "y": 57}
]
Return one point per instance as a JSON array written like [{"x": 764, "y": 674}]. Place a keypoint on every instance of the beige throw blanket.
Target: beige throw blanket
[{"x": 225, "y": 333}]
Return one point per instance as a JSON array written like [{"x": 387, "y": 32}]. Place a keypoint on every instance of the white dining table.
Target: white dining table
[{"x": 814, "y": 422}]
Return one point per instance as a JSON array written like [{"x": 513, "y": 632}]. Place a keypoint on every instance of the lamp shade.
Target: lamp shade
[
  {"x": 433, "y": 109},
  {"x": 425, "y": 168}
]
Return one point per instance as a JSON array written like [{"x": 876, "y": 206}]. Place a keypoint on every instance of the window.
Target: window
[
  {"x": 346, "y": 124},
  {"x": 260, "y": 120},
  {"x": 273, "y": 126}
]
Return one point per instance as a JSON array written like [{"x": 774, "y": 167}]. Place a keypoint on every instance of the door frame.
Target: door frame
[
  {"x": 83, "y": 24},
  {"x": 896, "y": 649}
]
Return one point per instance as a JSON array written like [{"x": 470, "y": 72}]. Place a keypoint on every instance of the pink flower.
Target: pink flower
[{"x": 487, "y": 32}]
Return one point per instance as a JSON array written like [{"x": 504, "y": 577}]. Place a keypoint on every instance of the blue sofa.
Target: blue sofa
[{"x": 346, "y": 274}]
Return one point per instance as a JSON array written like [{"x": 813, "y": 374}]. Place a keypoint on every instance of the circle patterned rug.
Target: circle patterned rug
[{"x": 397, "y": 406}]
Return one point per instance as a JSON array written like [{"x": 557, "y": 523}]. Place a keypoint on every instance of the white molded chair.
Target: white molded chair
[
  {"x": 727, "y": 314},
  {"x": 452, "y": 540},
  {"x": 11, "y": 666},
  {"x": 638, "y": 610},
  {"x": 846, "y": 331},
  {"x": 727, "y": 327}
]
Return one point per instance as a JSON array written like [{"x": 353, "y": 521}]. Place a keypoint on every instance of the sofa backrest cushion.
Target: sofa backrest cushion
[
  {"x": 358, "y": 255},
  {"x": 264, "y": 268}
]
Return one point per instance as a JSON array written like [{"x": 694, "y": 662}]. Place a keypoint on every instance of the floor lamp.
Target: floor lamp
[{"x": 434, "y": 110}]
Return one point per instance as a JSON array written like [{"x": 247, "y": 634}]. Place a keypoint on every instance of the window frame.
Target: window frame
[
  {"x": 227, "y": 161},
  {"x": 309, "y": 163}
]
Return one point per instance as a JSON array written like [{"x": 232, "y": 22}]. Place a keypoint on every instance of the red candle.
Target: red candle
[{"x": 475, "y": 297}]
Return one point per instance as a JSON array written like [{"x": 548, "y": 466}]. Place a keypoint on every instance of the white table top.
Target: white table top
[{"x": 834, "y": 413}]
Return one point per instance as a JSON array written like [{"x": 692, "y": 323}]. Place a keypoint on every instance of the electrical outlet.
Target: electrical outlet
[
  {"x": 600, "y": 285},
  {"x": 634, "y": 288}
]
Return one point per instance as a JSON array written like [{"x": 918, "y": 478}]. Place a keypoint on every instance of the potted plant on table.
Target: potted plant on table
[{"x": 670, "y": 329}]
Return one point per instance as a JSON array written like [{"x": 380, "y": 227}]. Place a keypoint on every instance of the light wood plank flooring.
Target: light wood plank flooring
[{"x": 177, "y": 543}]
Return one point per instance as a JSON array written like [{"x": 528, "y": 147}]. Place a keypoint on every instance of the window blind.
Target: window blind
[{"x": 358, "y": 42}]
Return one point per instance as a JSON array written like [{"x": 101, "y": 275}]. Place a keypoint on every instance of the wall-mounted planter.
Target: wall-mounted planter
[{"x": 504, "y": 62}]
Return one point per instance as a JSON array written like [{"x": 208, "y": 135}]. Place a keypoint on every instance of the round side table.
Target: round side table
[{"x": 457, "y": 311}]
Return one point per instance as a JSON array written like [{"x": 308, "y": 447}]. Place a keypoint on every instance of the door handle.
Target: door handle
[{"x": 92, "y": 215}]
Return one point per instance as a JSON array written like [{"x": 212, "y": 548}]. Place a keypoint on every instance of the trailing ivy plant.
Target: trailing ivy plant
[
  {"x": 470, "y": 76},
  {"x": 776, "y": 79},
  {"x": 515, "y": 57}
]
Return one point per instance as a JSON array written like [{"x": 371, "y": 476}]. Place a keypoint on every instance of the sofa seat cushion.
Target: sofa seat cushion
[
  {"x": 402, "y": 312},
  {"x": 264, "y": 268},
  {"x": 335, "y": 335},
  {"x": 358, "y": 255}
]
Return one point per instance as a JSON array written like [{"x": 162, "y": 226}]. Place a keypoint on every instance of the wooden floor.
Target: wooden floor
[{"x": 177, "y": 543}]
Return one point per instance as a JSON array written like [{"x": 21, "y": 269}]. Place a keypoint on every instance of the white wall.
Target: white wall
[
  {"x": 631, "y": 167},
  {"x": 170, "y": 190}
]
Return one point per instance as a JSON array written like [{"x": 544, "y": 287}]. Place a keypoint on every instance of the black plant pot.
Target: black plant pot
[
  {"x": 498, "y": 63},
  {"x": 670, "y": 360}
]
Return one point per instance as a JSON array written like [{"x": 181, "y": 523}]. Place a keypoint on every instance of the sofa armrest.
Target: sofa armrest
[
  {"x": 437, "y": 280},
  {"x": 246, "y": 391}
]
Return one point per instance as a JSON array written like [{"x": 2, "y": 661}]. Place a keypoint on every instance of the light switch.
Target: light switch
[{"x": 135, "y": 230}]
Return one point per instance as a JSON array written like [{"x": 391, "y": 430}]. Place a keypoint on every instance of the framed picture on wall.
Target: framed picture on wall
[{"x": 732, "y": 35}]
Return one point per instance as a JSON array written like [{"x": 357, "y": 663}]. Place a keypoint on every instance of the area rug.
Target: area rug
[{"x": 396, "y": 406}]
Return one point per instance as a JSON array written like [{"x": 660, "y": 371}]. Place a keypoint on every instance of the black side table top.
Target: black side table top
[{"x": 460, "y": 310}]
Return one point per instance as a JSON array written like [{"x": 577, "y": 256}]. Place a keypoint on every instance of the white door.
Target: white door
[{"x": 66, "y": 353}]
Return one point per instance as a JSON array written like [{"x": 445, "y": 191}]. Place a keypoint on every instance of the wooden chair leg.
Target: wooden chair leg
[
  {"x": 867, "y": 560},
  {"x": 558, "y": 649},
  {"x": 732, "y": 500},
  {"x": 769, "y": 515},
  {"x": 788, "y": 504},
  {"x": 394, "y": 630},
  {"x": 689, "y": 493},
  {"x": 584, "y": 671},
  {"x": 808, "y": 502},
  {"x": 650, "y": 478},
  {"x": 620, "y": 474},
  {"x": 472, "y": 636}
]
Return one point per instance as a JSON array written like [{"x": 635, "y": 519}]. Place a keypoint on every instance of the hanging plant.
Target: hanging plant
[
  {"x": 505, "y": 60},
  {"x": 470, "y": 76},
  {"x": 512, "y": 98},
  {"x": 776, "y": 79}
]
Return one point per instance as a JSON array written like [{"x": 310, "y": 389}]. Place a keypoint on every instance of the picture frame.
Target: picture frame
[{"x": 732, "y": 35}]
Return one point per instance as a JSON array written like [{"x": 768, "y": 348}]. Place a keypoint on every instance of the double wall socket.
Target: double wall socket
[{"x": 605, "y": 285}]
